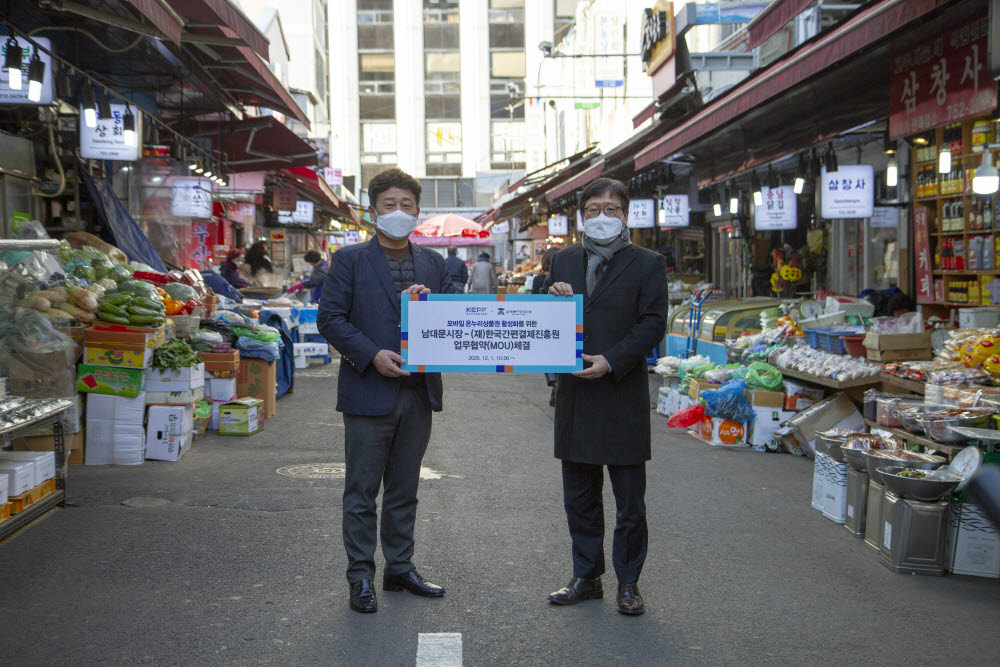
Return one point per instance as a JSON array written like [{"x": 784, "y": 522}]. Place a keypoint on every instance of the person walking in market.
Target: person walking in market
[
  {"x": 457, "y": 269},
  {"x": 602, "y": 411},
  {"x": 318, "y": 276},
  {"x": 387, "y": 411},
  {"x": 482, "y": 277}
]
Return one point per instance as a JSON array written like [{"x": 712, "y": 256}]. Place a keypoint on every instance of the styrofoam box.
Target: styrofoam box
[
  {"x": 972, "y": 544},
  {"x": 308, "y": 328},
  {"x": 45, "y": 463},
  {"x": 3, "y": 489},
  {"x": 117, "y": 408},
  {"x": 220, "y": 389},
  {"x": 311, "y": 349},
  {"x": 181, "y": 379},
  {"x": 20, "y": 476},
  {"x": 301, "y": 362},
  {"x": 978, "y": 318},
  {"x": 114, "y": 442}
]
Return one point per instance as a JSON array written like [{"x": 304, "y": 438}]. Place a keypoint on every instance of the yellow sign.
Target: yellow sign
[{"x": 658, "y": 36}]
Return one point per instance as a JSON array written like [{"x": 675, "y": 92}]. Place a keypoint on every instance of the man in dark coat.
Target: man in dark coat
[
  {"x": 457, "y": 269},
  {"x": 602, "y": 412},
  {"x": 387, "y": 411}
]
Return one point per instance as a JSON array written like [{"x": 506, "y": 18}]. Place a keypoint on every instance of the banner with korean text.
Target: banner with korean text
[{"x": 491, "y": 333}]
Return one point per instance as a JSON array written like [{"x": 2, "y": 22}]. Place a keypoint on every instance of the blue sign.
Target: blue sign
[{"x": 727, "y": 12}]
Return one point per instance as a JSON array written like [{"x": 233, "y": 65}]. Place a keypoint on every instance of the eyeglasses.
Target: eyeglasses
[{"x": 610, "y": 210}]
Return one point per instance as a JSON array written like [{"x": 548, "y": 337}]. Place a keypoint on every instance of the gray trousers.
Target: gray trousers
[{"x": 384, "y": 450}]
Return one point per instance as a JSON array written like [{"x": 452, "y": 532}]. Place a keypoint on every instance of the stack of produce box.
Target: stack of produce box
[
  {"x": 221, "y": 369},
  {"x": 174, "y": 384}
]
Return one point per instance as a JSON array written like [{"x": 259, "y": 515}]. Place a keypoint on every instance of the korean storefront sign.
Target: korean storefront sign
[
  {"x": 8, "y": 96},
  {"x": 885, "y": 217},
  {"x": 492, "y": 333},
  {"x": 191, "y": 198},
  {"x": 284, "y": 199},
  {"x": 302, "y": 215},
  {"x": 779, "y": 209},
  {"x": 609, "y": 66},
  {"x": 333, "y": 177},
  {"x": 352, "y": 237},
  {"x": 558, "y": 225},
  {"x": 641, "y": 214},
  {"x": 106, "y": 141},
  {"x": 922, "y": 253},
  {"x": 501, "y": 227},
  {"x": 941, "y": 81},
  {"x": 848, "y": 192},
  {"x": 674, "y": 211}
]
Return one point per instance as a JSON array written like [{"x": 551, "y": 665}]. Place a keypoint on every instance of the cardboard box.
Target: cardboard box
[
  {"x": 663, "y": 400},
  {"x": 220, "y": 389},
  {"x": 3, "y": 489},
  {"x": 175, "y": 397},
  {"x": 241, "y": 417},
  {"x": 723, "y": 432},
  {"x": 972, "y": 544},
  {"x": 259, "y": 379},
  {"x": 877, "y": 341},
  {"x": 899, "y": 355},
  {"x": 221, "y": 364},
  {"x": 122, "y": 409},
  {"x": 698, "y": 385},
  {"x": 20, "y": 476},
  {"x": 835, "y": 412},
  {"x": 169, "y": 431},
  {"x": 766, "y": 422},
  {"x": 45, "y": 463},
  {"x": 114, "y": 442},
  {"x": 120, "y": 346},
  {"x": 765, "y": 399},
  {"x": 111, "y": 381},
  {"x": 42, "y": 374},
  {"x": 46, "y": 443},
  {"x": 799, "y": 396},
  {"x": 311, "y": 349},
  {"x": 181, "y": 379}
]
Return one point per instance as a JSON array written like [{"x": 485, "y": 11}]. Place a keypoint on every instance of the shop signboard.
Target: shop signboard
[
  {"x": 491, "y": 333},
  {"x": 501, "y": 227},
  {"x": 8, "y": 96},
  {"x": 284, "y": 199},
  {"x": 333, "y": 177},
  {"x": 191, "y": 198},
  {"x": 302, "y": 215},
  {"x": 352, "y": 237},
  {"x": 942, "y": 80},
  {"x": 558, "y": 225},
  {"x": 885, "y": 217},
  {"x": 674, "y": 211},
  {"x": 848, "y": 192},
  {"x": 200, "y": 244},
  {"x": 106, "y": 140},
  {"x": 922, "y": 252},
  {"x": 779, "y": 210},
  {"x": 641, "y": 214},
  {"x": 609, "y": 70},
  {"x": 727, "y": 11}
]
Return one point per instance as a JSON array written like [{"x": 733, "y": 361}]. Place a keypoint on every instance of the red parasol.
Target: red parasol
[{"x": 450, "y": 229}]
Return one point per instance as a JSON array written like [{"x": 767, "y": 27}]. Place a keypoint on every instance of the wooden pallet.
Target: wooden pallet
[
  {"x": 4, "y": 511},
  {"x": 20, "y": 503}
]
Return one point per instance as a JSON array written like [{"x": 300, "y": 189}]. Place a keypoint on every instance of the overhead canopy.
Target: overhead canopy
[
  {"x": 312, "y": 186},
  {"x": 259, "y": 144}
]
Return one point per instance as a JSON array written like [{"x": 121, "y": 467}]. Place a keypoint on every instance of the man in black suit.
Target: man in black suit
[
  {"x": 457, "y": 269},
  {"x": 387, "y": 411},
  {"x": 602, "y": 412}
]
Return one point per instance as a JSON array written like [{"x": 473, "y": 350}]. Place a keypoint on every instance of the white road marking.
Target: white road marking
[{"x": 439, "y": 649}]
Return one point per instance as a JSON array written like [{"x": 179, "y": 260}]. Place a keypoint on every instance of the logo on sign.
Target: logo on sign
[{"x": 654, "y": 29}]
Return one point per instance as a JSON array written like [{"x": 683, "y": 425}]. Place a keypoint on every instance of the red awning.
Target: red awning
[
  {"x": 773, "y": 18},
  {"x": 577, "y": 182},
  {"x": 219, "y": 18},
  {"x": 260, "y": 144},
  {"x": 312, "y": 186},
  {"x": 164, "y": 21},
  {"x": 827, "y": 51}
]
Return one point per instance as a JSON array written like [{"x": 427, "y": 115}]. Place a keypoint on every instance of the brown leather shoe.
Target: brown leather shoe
[
  {"x": 630, "y": 600},
  {"x": 578, "y": 590}
]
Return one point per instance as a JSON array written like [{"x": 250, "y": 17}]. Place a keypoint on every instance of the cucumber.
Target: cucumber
[
  {"x": 154, "y": 320},
  {"x": 109, "y": 317},
  {"x": 113, "y": 309},
  {"x": 152, "y": 304},
  {"x": 139, "y": 310},
  {"x": 118, "y": 298}
]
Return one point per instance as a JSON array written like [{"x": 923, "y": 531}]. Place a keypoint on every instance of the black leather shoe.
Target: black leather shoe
[
  {"x": 411, "y": 582},
  {"x": 363, "y": 597},
  {"x": 552, "y": 398},
  {"x": 578, "y": 590},
  {"x": 630, "y": 600}
]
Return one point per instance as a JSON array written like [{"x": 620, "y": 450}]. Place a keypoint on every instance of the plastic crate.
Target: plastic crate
[
  {"x": 831, "y": 342},
  {"x": 812, "y": 338}
]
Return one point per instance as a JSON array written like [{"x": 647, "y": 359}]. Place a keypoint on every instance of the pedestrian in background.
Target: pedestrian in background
[
  {"x": 387, "y": 411},
  {"x": 602, "y": 411},
  {"x": 230, "y": 269},
  {"x": 482, "y": 276},
  {"x": 457, "y": 269},
  {"x": 538, "y": 287},
  {"x": 318, "y": 276}
]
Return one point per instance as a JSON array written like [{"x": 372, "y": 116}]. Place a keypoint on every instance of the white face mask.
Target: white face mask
[
  {"x": 602, "y": 228},
  {"x": 397, "y": 225}
]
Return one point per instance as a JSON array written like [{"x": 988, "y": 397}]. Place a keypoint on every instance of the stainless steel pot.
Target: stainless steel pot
[{"x": 915, "y": 489}]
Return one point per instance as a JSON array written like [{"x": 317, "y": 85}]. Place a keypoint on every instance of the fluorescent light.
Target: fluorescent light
[
  {"x": 36, "y": 74},
  {"x": 717, "y": 209},
  {"x": 89, "y": 106},
  {"x": 128, "y": 121},
  {"x": 12, "y": 62},
  {"x": 800, "y": 175},
  {"x": 986, "y": 179},
  {"x": 892, "y": 174},
  {"x": 758, "y": 194},
  {"x": 944, "y": 160},
  {"x": 758, "y": 198},
  {"x": 734, "y": 203}
]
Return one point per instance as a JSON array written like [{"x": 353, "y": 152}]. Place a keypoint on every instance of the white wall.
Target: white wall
[
  {"x": 345, "y": 111},
  {"x": 408, "y": 40},
  {"x": 474, "y": 47}
]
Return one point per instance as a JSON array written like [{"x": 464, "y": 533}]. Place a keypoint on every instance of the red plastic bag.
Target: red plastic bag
[{"x": 687, "y": 417}]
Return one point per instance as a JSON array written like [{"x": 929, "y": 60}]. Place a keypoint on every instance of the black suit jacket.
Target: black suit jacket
[
  {"x": 359, "y": 314},
  {"x": 606, "y": 421}
]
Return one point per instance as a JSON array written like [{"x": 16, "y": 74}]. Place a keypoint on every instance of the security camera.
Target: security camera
[
  {"x": 546, "y": 49},
  {"x": 512, "y": 89}
]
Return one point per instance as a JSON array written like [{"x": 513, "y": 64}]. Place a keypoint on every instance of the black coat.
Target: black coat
[{"x": 606, "y": 421}]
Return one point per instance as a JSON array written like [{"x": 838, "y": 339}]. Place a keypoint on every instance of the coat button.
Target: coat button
[
  {"x": 587, "y": 309},
  {"x": 586, "y": 338}
]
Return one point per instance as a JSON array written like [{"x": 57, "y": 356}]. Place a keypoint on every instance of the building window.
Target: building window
[
  {"x": 378, "y": 143},
  {"x": 320, "y": 76},
  {"x": 507, "y": 64},
  {"x": 444, "y": 145},
  {"x": 508, "y": 145},
  {"x": 507, "y": 35},
  {"x": 370, "y": 171},
  {"x": 441, "y": 29},
  {"x": 444, "y": 170},
  {"x": 377, "y": 86},
  {"x": 507, "y": 99},
  {"x": 447, "y": 193},
  {"x": 443, "y": 107}
]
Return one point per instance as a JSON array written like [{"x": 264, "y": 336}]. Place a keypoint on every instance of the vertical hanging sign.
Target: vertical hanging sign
[
  {"x": 609, "y": 66},
  {"x": 922, "y": 253},
  {"x": 779, "y": 209},
  {"x": 674, "y": 211}
]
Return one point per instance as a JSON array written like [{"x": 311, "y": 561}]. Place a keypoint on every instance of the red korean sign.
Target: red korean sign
[
  {"x": 941, "y": 81},
  {"x": 922, "y": 254}
]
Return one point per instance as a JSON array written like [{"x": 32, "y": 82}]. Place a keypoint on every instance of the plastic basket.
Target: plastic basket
[
  {"x": 854, "y": 345},
  {"x": 831, "y": 342},
  {"x": 812, "y": 338}
]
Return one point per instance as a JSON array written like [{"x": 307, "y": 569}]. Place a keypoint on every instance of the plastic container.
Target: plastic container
[{"x": 854, "y": 345}]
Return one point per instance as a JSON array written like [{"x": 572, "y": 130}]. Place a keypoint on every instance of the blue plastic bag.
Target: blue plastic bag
[{"x": 728, "y": 402}]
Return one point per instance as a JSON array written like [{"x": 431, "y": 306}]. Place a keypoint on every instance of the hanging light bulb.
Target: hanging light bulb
[
  {"x": 104, "y": 107},
  {"x": 800, "y": 175},
  {"x": 944, "y": 160},
  {"x": 128, "y": 122},
  {"x": 716, "y": 204},
  {"x": 986, "y": 179},
  {"x": 734, "y": 202},
  {"x": 12, "y": 63},
  {"x": 892, "y": 173},
  {"x": 36, "y": 74},
  {"x": 208, "y": 172},
  {"x": 758, "y": 194},
  {"x": 89, "y": 106},
  {"x": 200, "y": 169}
]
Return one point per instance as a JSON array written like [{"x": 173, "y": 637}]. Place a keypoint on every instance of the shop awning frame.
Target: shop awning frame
[{"x": 259, "y": 144}]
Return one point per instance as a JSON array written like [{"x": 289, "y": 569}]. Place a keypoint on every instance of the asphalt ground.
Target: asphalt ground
[{"x": 218, "y": 559}]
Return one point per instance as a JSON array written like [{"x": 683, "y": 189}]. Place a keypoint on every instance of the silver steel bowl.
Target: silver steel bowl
[
  {"x": 937, "y": 427},
  {"x": 883, "y": 459},
  {"x": 910, "y": 417},
  {"x": 855, "y": 446},
  {"x": 855, "y": 458},
  {"x": 914, "y": 489}
]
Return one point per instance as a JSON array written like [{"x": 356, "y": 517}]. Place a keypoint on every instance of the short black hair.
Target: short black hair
[
  {"x": 452, "y": 250},
  {"x": 600, "y": 186},
  {"x": 393, "y": 178},
  {"x": 313, "y": 256}
]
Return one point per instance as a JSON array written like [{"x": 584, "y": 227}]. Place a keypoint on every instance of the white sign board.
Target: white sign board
[
  {"x": 778, "y": 211},
  {"x": 609, "y": 70},
  {"x": 191, "y": 198},
  {"x": 885, "y": 217},
  {"x": 106, "y": 141},
  {"x": 674, "y": 211},
  {"x": 482, "y": 333},
  {"x": 501, "y": 227},
  {"x": 302, "y": 215},
  {"x": 8, "y": 96},
  {"x": 333, "y": 177},
  {"x": 351, "y": 237},
  {"x": 558, "y": 225},
  {"x": 848, "y": 192},
  {"x": 641, "y": 214}
]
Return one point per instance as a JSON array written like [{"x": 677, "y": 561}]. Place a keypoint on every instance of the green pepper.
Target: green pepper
[
  {"x": 113, "y": 309},
  {"x": 108, "y": 317}
]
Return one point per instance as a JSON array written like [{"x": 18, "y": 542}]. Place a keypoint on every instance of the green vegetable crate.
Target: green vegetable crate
[
  {"x": 108, "y": 380},
  {"x": 242, "y": 416}
]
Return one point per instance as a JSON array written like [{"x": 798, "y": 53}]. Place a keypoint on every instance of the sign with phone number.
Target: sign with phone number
[{"x": 491, "y": 333}]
